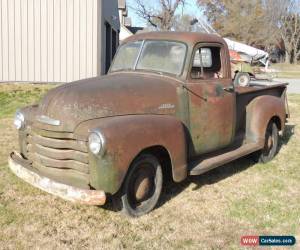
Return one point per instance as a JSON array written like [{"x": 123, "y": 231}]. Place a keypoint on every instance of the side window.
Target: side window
[{"x": 207, "y": 63}]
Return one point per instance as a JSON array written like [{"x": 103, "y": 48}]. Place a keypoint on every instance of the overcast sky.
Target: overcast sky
[{"x": 189, "y": 8}]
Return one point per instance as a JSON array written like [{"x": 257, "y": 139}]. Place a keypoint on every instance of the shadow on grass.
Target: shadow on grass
[
  {"x": 288, "y": 133},
  {"x": 171, "y": 189}
]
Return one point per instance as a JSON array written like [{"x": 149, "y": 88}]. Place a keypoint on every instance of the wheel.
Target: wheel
[
  {"x": 242, "y": 79},
  {"x": 142, "y": 187},
  {"x": 271, "y": 145}
]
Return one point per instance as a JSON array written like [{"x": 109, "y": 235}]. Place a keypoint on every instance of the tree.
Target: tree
[
  {"x": 262, "y": 23},
  {"x": 160, "y": 14},
  {"x": 285, "y": 16},
  {"x": 242, "y": 20}
]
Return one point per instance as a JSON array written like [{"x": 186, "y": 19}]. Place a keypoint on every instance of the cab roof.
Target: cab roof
[{"x": 187, "y": 37}]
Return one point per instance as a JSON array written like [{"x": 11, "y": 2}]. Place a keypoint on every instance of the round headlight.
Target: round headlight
[
  {"x": 19, "y": 120},
  {"x": 96, "y": 142}
]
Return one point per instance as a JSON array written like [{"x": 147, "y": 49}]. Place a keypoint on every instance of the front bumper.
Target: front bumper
[{"x": 20, "y": 167}]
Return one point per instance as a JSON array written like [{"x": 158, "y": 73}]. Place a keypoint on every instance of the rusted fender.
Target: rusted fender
[
  {"x": 126, "y": 137},
  {"x": 259, "y": 112}
]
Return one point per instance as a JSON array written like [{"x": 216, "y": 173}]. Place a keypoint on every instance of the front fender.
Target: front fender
[
  {"x": 259, "y": 113},
  {"x": 126, "y": 137}
]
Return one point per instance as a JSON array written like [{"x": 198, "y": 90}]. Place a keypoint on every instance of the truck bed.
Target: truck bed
[
  {"x": 261, "y": 85},
  {"x": 246, "y": 94}
]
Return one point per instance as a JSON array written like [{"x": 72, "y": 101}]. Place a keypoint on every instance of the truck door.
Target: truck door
[{"x": 211, "y": 99}]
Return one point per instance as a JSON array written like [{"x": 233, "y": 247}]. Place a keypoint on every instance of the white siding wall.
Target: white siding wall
[{"x": 48, "y": 40}]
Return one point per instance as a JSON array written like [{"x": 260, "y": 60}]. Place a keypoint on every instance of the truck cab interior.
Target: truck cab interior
[{"x": 207, "y": 63}]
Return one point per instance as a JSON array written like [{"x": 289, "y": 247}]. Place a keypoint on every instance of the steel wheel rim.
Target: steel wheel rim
[
  {"x": 243, "y": 80},
  {"x": 270, "y": 143},
  {"x": 142, "y": 186}
]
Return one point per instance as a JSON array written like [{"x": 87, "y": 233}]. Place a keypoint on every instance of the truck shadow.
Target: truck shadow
[{"x": 172, "y": 189}]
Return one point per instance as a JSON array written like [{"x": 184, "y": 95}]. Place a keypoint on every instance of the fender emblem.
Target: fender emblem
[
  {"x": 48, "y": 120},
  {"x": 166, "y": 106}
]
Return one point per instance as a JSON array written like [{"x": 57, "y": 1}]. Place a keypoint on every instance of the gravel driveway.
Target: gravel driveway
[{"x": 293, "y": 87}]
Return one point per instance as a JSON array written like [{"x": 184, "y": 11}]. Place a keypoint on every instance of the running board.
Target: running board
[{"x": 211, "y": 162}]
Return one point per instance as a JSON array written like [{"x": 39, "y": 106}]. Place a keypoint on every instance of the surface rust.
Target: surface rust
[
  {"x": 70, "y": 193},
  {"x": 135, "y": 111}
]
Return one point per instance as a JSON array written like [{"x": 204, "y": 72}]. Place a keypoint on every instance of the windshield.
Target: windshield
[{"x": 160, "y": 56}]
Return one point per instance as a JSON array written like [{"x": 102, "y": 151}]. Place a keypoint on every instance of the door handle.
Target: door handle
[{"x": 229, "y": 89}]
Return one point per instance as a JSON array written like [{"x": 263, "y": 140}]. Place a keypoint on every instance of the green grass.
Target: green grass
[
  {"x": 287, "y": 70},
  {"x": 211, "y": 211},
  {"x": 15, "y": 96},
  {"x": 289, "y": 75}
]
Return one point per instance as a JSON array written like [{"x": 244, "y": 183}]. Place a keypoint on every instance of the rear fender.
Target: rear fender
[
  {"x": 259, "y": 112},
  {"x": 126, "y": 137}
]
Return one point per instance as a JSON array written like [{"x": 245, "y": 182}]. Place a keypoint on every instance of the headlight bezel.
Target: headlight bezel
[
  {"x": 96, "y": 143},
  {"x": 19, "y": 120}
]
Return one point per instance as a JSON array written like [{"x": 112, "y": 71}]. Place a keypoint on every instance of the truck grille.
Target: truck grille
[{"x": 59, "y": 157}]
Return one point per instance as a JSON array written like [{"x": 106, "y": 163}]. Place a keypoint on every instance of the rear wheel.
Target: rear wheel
[
  {"x": 271, "y": 144},
  {"x": 142, "y": 187},
  {"x": 242, "y": 79}
]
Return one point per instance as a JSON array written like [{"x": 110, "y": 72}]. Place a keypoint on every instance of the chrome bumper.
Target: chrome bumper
[{"x": 17, "y": 164}]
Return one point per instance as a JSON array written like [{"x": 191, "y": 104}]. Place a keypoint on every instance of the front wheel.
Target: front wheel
[
  {"x": 271, "y": 144},
  {"x": 142, "y": 187}
]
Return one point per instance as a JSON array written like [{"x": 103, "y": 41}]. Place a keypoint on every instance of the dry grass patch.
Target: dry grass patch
[
  {"x": 211, "y": 211},
  {"x": 287, "y": 70}
]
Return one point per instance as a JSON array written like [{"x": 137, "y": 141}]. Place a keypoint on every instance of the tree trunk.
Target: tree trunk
[{"x": 287, "y": 58}]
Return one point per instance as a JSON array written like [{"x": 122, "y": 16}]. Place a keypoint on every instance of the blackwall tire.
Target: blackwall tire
[
  {"x": 271, "y": 145},
  {"x": 143, "y": 186}
]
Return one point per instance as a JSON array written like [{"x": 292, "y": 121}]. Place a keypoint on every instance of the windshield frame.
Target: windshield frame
[{"x": 134, "y": 69}]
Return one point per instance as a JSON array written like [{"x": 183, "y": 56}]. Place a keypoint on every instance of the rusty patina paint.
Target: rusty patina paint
[
  {"x": 258, "y": 118},
  {"x": 142, "y": 131},
  {"x": 139, "y": 110},
  {"x": 70, "y": 193}
]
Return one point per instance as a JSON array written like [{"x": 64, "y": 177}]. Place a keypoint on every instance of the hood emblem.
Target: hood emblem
[{"x": 48, "y": 120}]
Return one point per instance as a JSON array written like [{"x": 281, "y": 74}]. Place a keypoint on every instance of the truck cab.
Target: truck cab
[{"x": 167, "y": 105}]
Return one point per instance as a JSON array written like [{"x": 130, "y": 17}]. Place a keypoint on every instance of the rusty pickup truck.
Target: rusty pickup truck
[{"x": 168, "y": 105}]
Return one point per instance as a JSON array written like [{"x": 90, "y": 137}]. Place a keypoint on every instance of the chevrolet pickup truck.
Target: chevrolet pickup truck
[{"x": 167, "y": 106}]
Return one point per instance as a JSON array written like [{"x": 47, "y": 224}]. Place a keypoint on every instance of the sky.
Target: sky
[{"x": 190, "y": 8}]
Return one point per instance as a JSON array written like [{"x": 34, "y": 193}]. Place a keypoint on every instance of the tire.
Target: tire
[
  {"x": 142, "y": 186},
  {"x": 271, "y": 145},
  {"x": 242, "y": 79}
]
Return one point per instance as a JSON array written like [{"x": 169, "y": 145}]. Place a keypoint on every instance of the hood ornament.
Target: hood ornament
[{"x": 48, "y": 120}]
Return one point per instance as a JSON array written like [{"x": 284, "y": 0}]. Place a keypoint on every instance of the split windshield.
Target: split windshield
[{"x": 158, "y": 56}]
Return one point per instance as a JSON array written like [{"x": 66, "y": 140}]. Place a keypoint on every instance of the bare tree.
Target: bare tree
[
  {"x": 285, "y": 15},
  {"x": 243, "y": 20},
  {"x": 258, "y": 22},
  {"x": 160, "y": 14},
  {"x": 289, "y": 26}
]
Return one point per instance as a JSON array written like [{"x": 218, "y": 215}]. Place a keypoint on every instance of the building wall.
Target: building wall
[{"x": 49, "y": 40}]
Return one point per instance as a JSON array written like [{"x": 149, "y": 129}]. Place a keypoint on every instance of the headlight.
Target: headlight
[
  {"x": 96, "y": 142},
  {"x": 19, "y": 121}
]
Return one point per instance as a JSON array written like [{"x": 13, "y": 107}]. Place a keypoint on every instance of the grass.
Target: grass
[
  {"x": 14, "y": 96},
  {"x": 287, "y": 70},
  {"x": 211, "y": 211}
]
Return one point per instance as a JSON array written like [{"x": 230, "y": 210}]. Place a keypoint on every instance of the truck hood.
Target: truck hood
[{"x": 116, "y": 94}]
